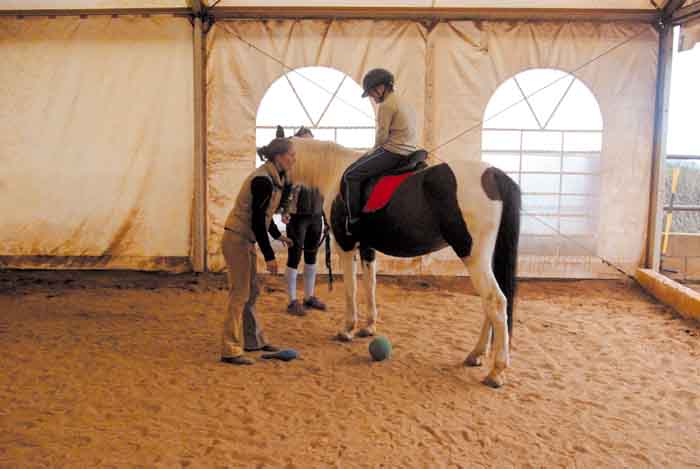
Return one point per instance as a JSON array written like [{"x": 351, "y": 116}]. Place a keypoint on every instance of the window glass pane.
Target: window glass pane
[
  {"x": 578, "y": 111},
  {"x": 507, "y": 110},
  {"x": 538, "y": 225},
  {"x": 315, "y": 87},
  {"x": 574, "y": 184},
  {"x": 324, "y": 134},
  {"x": 544, "y": 204},
  {"x": 540, "y": 183},
  {"x": 542, "y": 163},
  {"x": 576, "y": 204},
  {"x": 576, "y": 226},
  {"x": 500, "y": 140},
  {"x": 348, "y": 109},
  {"x": 583, "y": 141},
  {"x": 550, "y": 145},
  {"x": 505, "y": 161},
  {"x": 356, "y": 138},
  {"x": 539, "y": 245},
  {"x": 544, "y": 88},
  {"x": 581, "y": 164},
  {"x": 263, "y": 136},
  {"x": 542, "y": 141}
]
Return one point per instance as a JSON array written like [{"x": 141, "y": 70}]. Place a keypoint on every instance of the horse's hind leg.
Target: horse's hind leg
[
  {"x": 347, "y": 261},
  {"x": 369, "y": 282},
  {"x": 494, "y": 305},
  {"x": 482, "y": 346}
]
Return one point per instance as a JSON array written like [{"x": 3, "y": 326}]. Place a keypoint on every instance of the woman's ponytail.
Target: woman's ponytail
[{"x": 277, "y": 146}]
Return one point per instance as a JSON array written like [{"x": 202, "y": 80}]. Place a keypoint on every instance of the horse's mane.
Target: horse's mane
[{"x": 320, "y": 163}]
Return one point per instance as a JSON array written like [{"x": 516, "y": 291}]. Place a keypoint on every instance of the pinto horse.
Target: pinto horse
[{"x": 469, "y": 206}]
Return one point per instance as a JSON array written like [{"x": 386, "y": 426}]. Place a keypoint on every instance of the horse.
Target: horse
[{"x": 470, "y": 206}]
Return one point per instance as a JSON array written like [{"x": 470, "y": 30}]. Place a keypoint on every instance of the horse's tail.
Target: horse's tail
[{"x": 505, "y": 256}]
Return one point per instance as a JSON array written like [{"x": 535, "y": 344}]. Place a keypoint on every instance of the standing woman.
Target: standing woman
[
  {"x": 304, "y": 228},
  {"x": 249, "y": 222}
]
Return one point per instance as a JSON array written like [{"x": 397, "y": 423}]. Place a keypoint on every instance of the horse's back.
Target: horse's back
[
  {"x": 432, "y": 209},
  {"x": 407, "y": 226},
  {"x": 424, "y": 215}
]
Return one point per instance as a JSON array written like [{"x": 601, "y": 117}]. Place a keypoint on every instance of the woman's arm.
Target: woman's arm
[{"x": 261, "y": 189}]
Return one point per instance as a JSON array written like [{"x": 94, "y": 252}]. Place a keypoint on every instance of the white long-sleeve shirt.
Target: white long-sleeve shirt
[{"x": 396, "y": 126}]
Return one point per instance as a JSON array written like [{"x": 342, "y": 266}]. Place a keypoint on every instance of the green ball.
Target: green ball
[{"x": 380, "y": 349}]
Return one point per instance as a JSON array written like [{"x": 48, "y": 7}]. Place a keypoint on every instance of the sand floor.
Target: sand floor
[{"x": 121, "y": 370}]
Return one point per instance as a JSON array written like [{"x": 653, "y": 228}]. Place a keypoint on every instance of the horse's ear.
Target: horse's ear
[{"x": 280, "y": 132}]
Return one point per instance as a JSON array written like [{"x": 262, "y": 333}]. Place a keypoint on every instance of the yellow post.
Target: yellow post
[{"x": 669, "y": 215}]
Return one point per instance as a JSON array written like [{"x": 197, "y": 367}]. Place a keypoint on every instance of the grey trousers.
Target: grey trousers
[{"x": 241, "y": 327}]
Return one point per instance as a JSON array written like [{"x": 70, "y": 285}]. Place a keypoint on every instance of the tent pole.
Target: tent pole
[
  {"x": 199, "y": 237},
  {"x": 663, "y": 91}
]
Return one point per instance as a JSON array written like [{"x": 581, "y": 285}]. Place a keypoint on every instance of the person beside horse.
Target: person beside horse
[
  {"x": 304, "y": 218},
  {"x": 248, "y": 223}
]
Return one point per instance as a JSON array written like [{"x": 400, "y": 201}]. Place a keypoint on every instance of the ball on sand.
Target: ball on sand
[{"x": 380, "y": 348}]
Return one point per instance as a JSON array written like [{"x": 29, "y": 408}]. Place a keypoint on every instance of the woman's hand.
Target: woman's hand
[
  {"x": 286, "y": 241},
  {"x": 272, "y": 266}
]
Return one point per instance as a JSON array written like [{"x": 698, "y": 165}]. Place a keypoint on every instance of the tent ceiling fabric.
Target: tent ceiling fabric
[
  {"x": 96, "y": 142},
  {"x": 238, "y": 77},
  {"x": 463, "y": 62},
  {"x": 568, "y": 4}
]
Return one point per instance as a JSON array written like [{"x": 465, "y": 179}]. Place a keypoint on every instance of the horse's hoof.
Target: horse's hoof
[
  {"x": 365, "y": 332},
  {"x": 344, "y": 336},
  {"x": 473, "y": 360},
  {"x": 492, "y": 382}
]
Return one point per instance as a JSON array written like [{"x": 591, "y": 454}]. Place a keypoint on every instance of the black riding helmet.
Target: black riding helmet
[{"x": 376, "y": 77}]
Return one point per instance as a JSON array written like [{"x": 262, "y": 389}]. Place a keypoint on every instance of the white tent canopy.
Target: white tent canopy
[{"x": 106, "y": 163}]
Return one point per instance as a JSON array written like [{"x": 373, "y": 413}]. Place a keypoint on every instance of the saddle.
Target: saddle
[
  {"x": 414, "y": 162},
  {"x": 376, "y": 194},
  {"x": 377, "y": 191}
]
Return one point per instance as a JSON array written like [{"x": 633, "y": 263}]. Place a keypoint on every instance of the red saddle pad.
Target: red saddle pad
[{"x": 383, "y": 190}]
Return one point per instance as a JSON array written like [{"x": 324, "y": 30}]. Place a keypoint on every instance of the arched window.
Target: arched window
[
  {"x": 550, "y": 143},
  {"x": 321, "y": 98}
]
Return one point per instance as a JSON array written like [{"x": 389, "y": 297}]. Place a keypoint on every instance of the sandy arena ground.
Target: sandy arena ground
[{"x": 121, "y": 370}]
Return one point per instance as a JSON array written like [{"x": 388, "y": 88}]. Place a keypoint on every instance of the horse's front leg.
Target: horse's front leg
[
  {"x": 347, "y": 260},
  {"x": 369, "y": 281}
]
